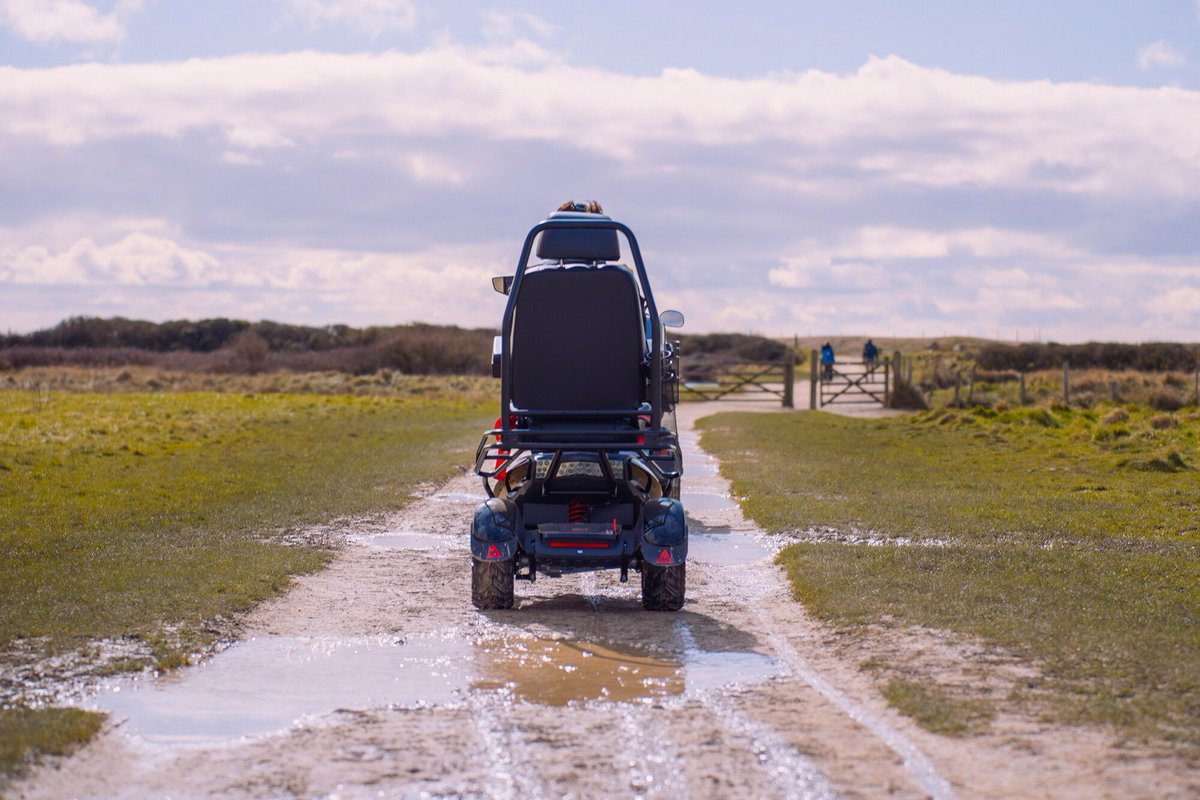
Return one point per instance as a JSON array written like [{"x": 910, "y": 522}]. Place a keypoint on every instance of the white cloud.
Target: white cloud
[
  {"x": 371, "y": 17},
  {"x": 1181, "y": 302},
  {"x": 47, "y": 21},
  {"x": 137, "y": 259},
  {"x": 1160, "y": 54},
  {"x": 836, "y": 199},
  {"x": 890, "y": 121},
  {"x": 504, "y": 26},
  {"x": 868, "y": 257},
  {"x": 449, "y": 285}
]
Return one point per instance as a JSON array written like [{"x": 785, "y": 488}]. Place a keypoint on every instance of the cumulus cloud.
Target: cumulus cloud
[
  {"x": 504, "y": 26},
  {"x": 371, "y": 17},
  {"x": 890, "y": 120},
  {"x": 123, "y": 272},
  {"x": 894, "y": 198},
  {"x": 47, "y": 21},
  {"x": 1160, "y": 54},
  {"x": 137, "y": 259}
]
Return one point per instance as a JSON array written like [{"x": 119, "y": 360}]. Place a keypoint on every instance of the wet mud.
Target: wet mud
[{"x": 377, "y": 678}]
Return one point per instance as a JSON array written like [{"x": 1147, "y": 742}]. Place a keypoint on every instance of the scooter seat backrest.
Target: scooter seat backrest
[
  {"x": 578, "y": 244},
  {"x": 577, "y": 341}
]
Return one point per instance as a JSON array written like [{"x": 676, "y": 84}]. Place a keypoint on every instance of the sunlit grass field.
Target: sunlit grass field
[
  {"x": 144, "y": 515},
  {"x": 1070, "y": 537}
]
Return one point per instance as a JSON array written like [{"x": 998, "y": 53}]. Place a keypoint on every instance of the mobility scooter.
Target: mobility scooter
[{"x": 583, "y": 467}]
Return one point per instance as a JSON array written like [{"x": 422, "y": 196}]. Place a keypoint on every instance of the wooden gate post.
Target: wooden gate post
[
  {"x": 887, "y": 384},
  {"x": 789, "y": 380},
  {"x": 812, "y": 384}
]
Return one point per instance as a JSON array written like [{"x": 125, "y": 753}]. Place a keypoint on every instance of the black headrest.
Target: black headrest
[{"x": 578, "y": 244}]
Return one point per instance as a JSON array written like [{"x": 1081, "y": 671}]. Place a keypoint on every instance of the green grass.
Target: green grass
[
  {"x": 1069, "y": 537},
  {"x": 969, "y": 475},
  {"x": 50, "y": 731},
  {"x": 147, "y": 515},
  {"x": 937, "y": 711}
]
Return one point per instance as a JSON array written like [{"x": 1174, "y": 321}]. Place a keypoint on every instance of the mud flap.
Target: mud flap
[
  {"x": 664, "y": 537},
  {"x": 493, "y": 531}
]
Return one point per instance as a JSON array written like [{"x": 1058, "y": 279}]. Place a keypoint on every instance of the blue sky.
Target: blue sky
[{"x": 1014, "y": 169}]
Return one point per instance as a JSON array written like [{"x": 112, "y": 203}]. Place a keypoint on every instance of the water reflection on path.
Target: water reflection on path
[{"x": 267, "y": 685}]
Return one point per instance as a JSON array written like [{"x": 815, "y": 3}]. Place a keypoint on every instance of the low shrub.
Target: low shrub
[{"x": 1166, "y": 399}]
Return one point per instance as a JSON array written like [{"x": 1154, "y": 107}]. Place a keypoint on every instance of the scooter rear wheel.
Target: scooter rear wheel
[
  {"x": 492, "y": 584},
  {"x": 663, "y": 587}
]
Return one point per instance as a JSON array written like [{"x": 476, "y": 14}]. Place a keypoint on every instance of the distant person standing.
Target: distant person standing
[
  {"x": 826, "y": 362},
  {"x": 870, "y": 355}
]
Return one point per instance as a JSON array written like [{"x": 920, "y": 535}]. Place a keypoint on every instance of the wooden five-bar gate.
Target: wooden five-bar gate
[
  {"x": 770, "y": 381},
  {"x": 849, "y": 382}
]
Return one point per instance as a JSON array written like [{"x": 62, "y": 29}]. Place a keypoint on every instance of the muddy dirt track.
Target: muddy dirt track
[{"x": 376, "y": 678}]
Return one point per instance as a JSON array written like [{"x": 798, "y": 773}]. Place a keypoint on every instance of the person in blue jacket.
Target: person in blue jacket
[
  {"x": 870, "y": 355},
  {"x": 826, "y": 362}
]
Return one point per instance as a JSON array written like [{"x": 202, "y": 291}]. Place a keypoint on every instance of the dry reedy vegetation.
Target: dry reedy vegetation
[
  {"x": 1168, "y": 391},
  {"x": 232, "y": 346},
  {"x": 384, "y": 383}
]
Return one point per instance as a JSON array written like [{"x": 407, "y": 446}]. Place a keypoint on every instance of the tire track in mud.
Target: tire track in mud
[
  {"x": 506, "y": 751},
  {"x": 793, "y": 773}
]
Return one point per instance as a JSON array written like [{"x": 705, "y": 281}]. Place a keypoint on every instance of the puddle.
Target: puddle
[
  {"x": 726, "y": 548},
  {"x": 268, "y": 685},
  {"x": 263, "y": 686},
  {"x": 459, "y": 497},
  {"x": 557, "y": 672},
  {"x": 699, "y": 468},
  {"x": 412, "y": 540},
  {"x": 700, "y": 526},
  {"x": 706, "y": 501}
]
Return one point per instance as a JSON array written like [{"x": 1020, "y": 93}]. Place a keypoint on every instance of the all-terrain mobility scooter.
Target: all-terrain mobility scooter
[{"x": 583, "y": 468}]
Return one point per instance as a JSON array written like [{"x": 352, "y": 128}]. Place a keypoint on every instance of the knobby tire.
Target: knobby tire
[
  {"x": 492, "y": 584},
  {"x": 663, "y": 587}
]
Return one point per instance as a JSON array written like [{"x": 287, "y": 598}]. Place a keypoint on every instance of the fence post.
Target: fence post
[
  {"x": 1112, "y": 386},
  {"x": 957, "y": 388},
  {"x": 1024, "y": 397},
  {"x": 789, "y": 380},
  {"x": 1067, "y": 382},
  {"x": 887, "y": 384},
  {"x": 812, "y": 384}
]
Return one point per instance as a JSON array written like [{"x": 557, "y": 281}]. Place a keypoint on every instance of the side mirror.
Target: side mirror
[
  {"x": 671, "y": 319},
  {"x": 502, "y": 283}
]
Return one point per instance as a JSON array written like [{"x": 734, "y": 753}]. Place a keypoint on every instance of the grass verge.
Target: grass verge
[
  {"x": 937, "y": 711},
  {"x": 146, "y": 515},
  {"x": 1069, "y": 537},
  {"x": 49, "y": 731}
]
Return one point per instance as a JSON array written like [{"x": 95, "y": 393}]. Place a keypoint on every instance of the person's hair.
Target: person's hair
[{"x": 591, "y": 207}]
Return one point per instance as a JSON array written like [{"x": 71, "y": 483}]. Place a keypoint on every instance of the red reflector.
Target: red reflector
[
  {"x": 588, "y": 545},
  {"x": 494, "y": 552},
  {"x": 664, "y": 557}
]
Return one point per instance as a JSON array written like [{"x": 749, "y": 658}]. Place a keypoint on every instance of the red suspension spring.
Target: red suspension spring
[{"x": 577, "y": 511}]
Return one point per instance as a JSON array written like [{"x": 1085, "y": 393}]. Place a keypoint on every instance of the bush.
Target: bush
[
  {"x": 1166, "y": 399},
  {"x": 1150, "y": 357},
  {"x": 906, "y": 396}
]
